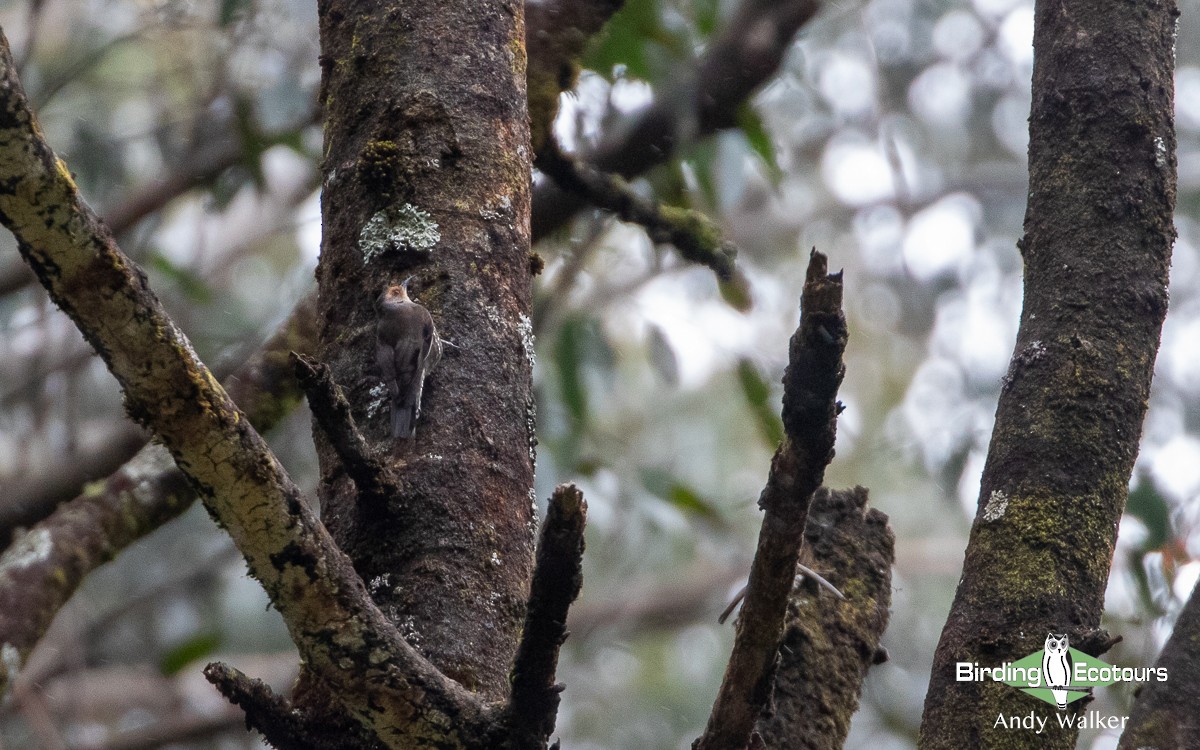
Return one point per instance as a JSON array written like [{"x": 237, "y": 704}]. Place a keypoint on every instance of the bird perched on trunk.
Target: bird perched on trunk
[{"x": 407, "y": 348}]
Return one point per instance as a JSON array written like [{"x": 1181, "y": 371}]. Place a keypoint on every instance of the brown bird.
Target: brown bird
[{"x": 407, "y": 348}]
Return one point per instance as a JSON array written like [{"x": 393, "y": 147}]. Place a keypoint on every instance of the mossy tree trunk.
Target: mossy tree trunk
[
  {"x": 1098, "y": 235},
  {"x": 427, "y": 173}
]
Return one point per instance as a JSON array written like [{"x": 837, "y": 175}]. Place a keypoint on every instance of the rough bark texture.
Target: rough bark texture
[
  {"x": 1097, "y": 244},
  {"x": 557, "y": 578},
  {"x": 1164, "y": 714},
  {"x": 829, "y": 645},
  {"x": 427, "y": 173},
  {"x": 810, "y": 410},
  {"x": 393, "y": 690},
  {"x": 41, "y": 571}
]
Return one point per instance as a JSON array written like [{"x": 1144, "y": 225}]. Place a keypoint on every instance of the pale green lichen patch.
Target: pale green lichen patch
[
  {"x": 10, "y": 662},
  {"x": 379, "y": 400},
  {"x": 30, "y": 549},
  {"x": 997, "y": 504},
  {"x": 525, "y": 330},
  {"x": 398, "y": 228}
]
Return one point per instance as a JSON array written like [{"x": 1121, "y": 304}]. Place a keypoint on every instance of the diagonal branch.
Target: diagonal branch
[
  {"x": 828, "y": 646},
  {"x": 375, "y": 481},
  {"x": 145, "y": 493},
  {"x": 1164, "y": 711},
  {"x": 691, "y": 232},
  {"x": 308, "y": 579},
  {"x": 810, "y": 411},
  {"x": 706, "y": 99}
]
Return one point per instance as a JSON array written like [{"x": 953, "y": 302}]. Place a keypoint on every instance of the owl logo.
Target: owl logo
[{"x": 1057, "y": 667}]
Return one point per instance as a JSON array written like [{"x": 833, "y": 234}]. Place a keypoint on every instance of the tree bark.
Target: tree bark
[
  {"x": 1097, "y": 245},
  {"x": 427, "y": 173}
]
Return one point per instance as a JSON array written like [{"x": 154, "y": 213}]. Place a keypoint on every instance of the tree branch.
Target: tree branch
[
  {"x": 145, "y": 493},
  {"x": 1164, "y": 713},
  {"x": 557, "y": 32},
  {"x": 1097, "y": 251},
  {"x": 309, "y": 580},
  {"x": 829, "y": 645},
  {"x": 742, "y": 57},
  {"x": 266, "y": 711},
  {"x": 810, "y": 411},
  {"x": 557, "y": 577},
  {"x": 375, "y": 481},
  {"x": 691, "y": 232}
]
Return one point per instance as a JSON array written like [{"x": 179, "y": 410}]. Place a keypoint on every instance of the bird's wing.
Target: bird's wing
[{"x": 385, "y": 358}]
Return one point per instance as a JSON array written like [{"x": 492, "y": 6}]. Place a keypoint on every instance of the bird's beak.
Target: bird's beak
[{"x": 405, "y": 284}]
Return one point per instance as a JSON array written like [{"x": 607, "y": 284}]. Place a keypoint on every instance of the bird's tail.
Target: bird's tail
[{"x": 404, "y": 422}]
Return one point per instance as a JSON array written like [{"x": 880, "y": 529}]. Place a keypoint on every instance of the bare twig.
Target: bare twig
[
  {"x": 810, "y": 411},
  {"x": 557, "y": 577},
  {"x": 266, "y": 711}
]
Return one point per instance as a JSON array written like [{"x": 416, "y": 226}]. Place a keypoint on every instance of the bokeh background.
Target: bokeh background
[{"x": 893, "y": 139}]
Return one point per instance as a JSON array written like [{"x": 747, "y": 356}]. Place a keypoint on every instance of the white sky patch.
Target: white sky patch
[
  {"x": 941, "y": 95},
  {"x": 935, "y": 410},
  {"x": 1186, "y": 576},
  {"x": 941, "y": 236},
  {"x": 1016, "y": 37},
  {"x": 1010, "y": 123},
  {"x": 958, "y": 35},
  {"x": 1181, "y": 342},
  {"x": 857, "y": 171},
  {"x": 847, "y": 84},
  {"x": 706, "y": 335},
  {"x": 630, "y": 94},
  {"x": 1187, "y": 97},
  {"x": 968, "y": 482},
  {"x": 308, "y": 229},
  {"x": 995, "y": 8},
  {"x": 1176, "y": 467},
  {"x": 879, "y": 231},
  {"x": 978, "y": 329}
]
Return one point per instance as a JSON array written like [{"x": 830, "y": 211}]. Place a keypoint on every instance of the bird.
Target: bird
[{"x": 407, "y": 348}]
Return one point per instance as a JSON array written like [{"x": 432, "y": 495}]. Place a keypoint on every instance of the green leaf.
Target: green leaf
[
  {"x": 193, "y": 285},
  {"x": 580, "y": 348},
  {"x": 736, "y": 291},
  {"x": 706, "y": 14},
  {"x": 196, "y": 647},
  {"x": 661, "y": 483},
  {"x": 254, "y": 143},
  {"x": 231, "y": 10},
  {"x": 1150, "y": 507},
  {"x": 569, "y": 356},
  {"x": 699, "y": 166},
  {"x": 637, "y": 42},
  {"x": 758, "y": 395},
  {"x": 759, "y": 140}
]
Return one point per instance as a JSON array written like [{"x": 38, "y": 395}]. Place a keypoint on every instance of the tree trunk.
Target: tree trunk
[
  {"x": 1097, "y": 247},
  {"x": 427, "y": 173}
]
